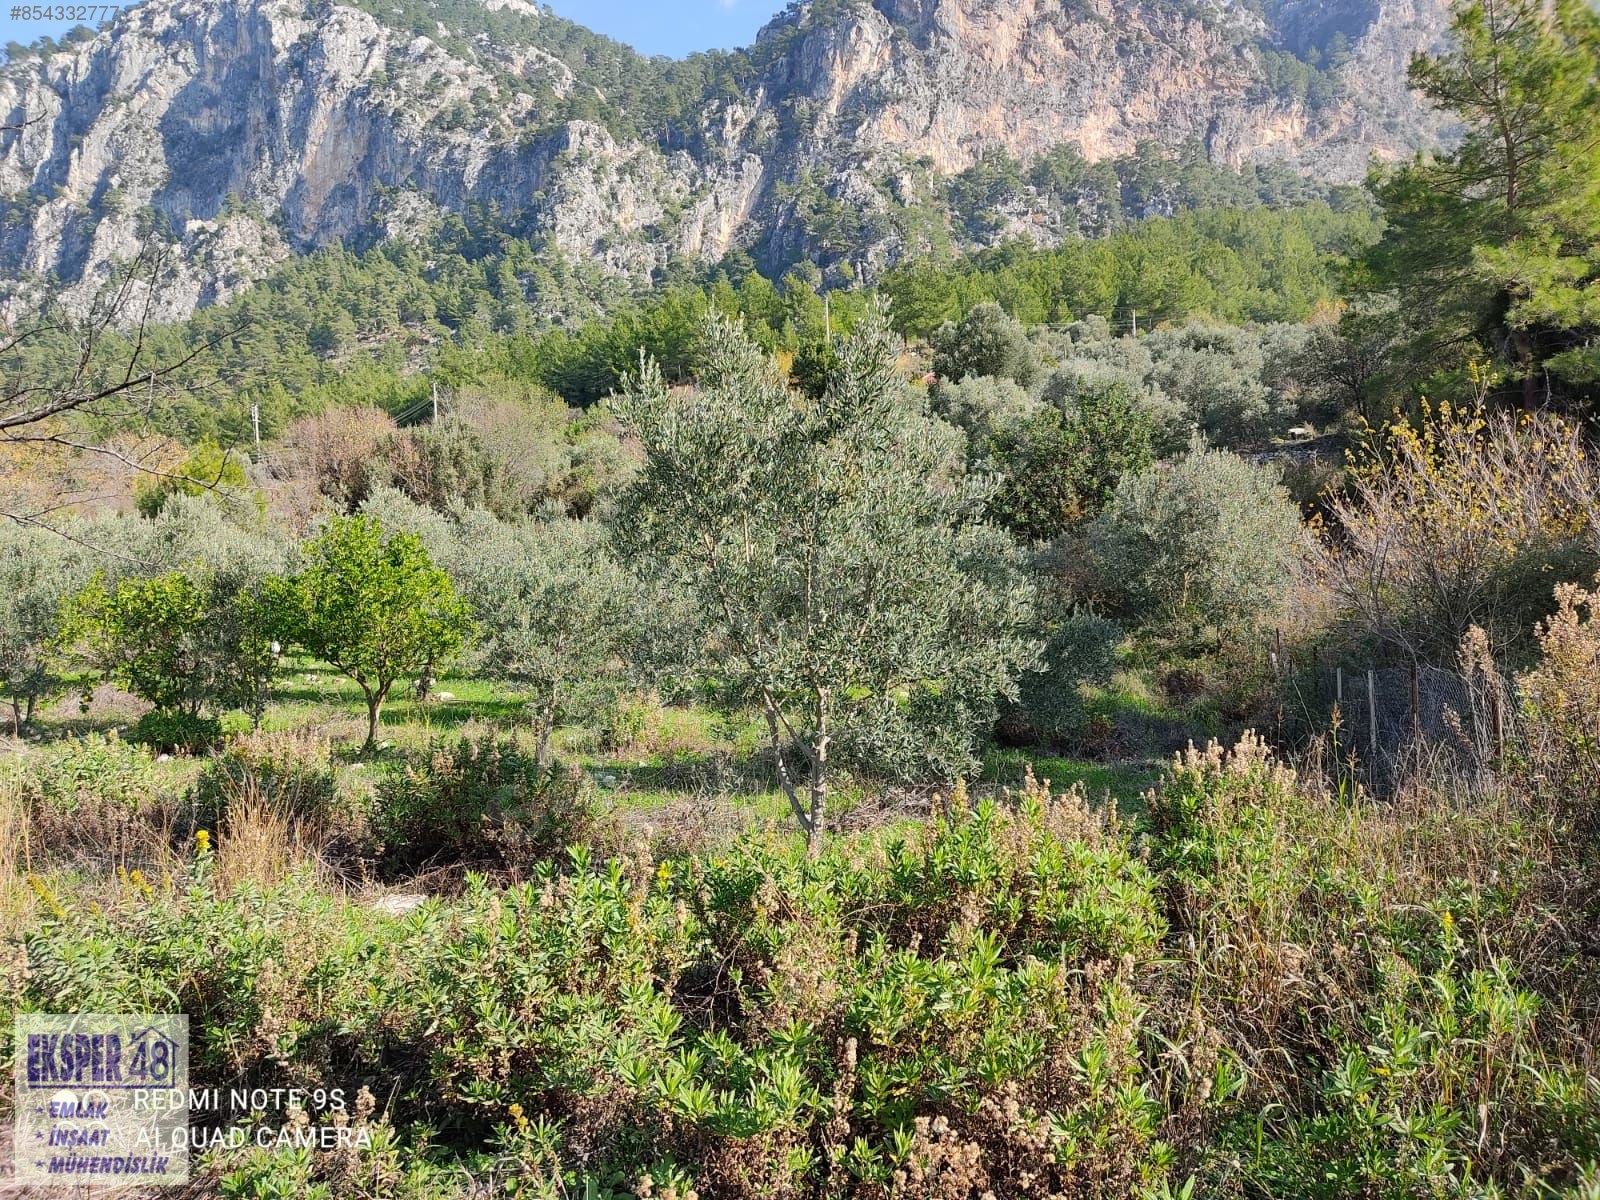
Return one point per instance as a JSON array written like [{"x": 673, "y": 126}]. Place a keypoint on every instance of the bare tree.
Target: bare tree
[
  {"x": 64, "y": 373},
  {"x": 1469, "y": 520}
]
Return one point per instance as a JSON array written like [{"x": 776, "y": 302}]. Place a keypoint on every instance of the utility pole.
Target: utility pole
[
  {"x": 255, "y": 424},
  {"x": 1135, "y": 313},
  {"x": 435, "y": 403},
  {"x": 827, "y": 318}
]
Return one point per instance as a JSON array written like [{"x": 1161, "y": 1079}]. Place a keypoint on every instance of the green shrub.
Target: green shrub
[
  {"x": 1399, "y": 974},
  {"x": 1210, "y": 541},
  {"x": 1279, "y": 990},
  {"x": 481, "y": 802},
  {"x": 176, "y": 732},
  {"x": 292, "y": 774},
  {"x": 1050, "y": 707},
  {"x": 280, "y": 983},
  {"x": 961, "y": 996},
  {"x": 626, "y": 719},
  {"x": 94, "y": 771},
  {"x": 987, "y": 341},
  {"x": 97, "y": 796}
]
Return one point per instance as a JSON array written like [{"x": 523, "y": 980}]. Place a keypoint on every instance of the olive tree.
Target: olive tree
[
  {"x": 1211, "y": 540},
  {"x": 1216, "y": 373},
  {"x": 984, "y": 406},
  {"x": 372, "y": 605},
  {"x": 38, "y": 572},
  {"x": 840, "y": 578},
  {"x": 987, "y": 341},
  {"x": 552, "y": 605},
  {"x": 1123, "y": 365}
]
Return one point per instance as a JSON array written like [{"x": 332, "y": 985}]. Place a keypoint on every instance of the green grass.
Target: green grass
[
  {"x": 1123, "y": 783},
  {"x": 687, "y": 753},
  {"x": 309, "y": 692}
]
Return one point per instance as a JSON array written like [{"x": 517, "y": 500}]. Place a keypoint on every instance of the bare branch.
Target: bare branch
[{"x": 65, "y": 369}]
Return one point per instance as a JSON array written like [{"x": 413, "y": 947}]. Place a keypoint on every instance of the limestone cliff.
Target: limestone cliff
[{"x": 243, "y": 131}]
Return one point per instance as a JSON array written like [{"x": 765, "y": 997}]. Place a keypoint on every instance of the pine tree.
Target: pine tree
[{"x": 1497, "y": 243}]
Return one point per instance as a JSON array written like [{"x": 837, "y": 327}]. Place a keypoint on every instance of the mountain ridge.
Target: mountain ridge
[{"x": 243, "y": 131}]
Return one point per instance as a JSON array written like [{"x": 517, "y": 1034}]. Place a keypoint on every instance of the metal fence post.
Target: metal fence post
[{"x": 1372, "y": 716}]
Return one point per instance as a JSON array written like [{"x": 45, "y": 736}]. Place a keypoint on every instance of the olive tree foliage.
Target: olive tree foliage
[
  {"x": 1232, "y": 383},
  {"x": 984, "y": 406},
  {"x": 373, "y": 605},
  {"x": 1080, "y": 648},
  {"x": 193, "y": 533},
  {"x": 1090, "y": 360},
  {"x": 395, "y": 512},
  {"x": 1216, "y": 373},
  {"x": 1210, "y": 541},
  {"x": 38, "y": 572},
  {"x": 553, "y": 607},
  {"x": 987, "y": 341},
  {"x": 839, "y": 578}
]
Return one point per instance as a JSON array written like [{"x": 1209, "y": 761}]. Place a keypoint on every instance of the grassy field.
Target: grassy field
[
  {"x": 685, "y": 780},
  {"x": 687, "y": 767}
]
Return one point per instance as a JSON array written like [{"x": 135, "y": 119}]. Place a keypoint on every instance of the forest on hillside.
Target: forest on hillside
[{"x": 1111, "y": 720}]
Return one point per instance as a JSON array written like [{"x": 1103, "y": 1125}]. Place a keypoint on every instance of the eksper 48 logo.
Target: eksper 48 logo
[{"x": 82, "y": 1086}]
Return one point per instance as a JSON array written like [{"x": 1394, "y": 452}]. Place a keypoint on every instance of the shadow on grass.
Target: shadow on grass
[
  {"x": 682, "y": 775},
  {"x": 1124, "y": 783}
]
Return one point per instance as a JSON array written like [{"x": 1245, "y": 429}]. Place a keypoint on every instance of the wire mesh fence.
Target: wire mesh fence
[{"x": 1384, "y": 721}]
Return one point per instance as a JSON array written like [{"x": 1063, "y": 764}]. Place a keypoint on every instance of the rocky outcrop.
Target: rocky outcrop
[
  {"x": 943, "y": 80},
  {"x": 243, "y": 131}
]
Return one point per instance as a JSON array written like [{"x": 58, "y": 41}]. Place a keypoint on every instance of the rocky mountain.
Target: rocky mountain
[{"x": 240, "y": 132}]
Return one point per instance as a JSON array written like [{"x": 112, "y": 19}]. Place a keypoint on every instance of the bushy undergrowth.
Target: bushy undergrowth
[
  {"x": 1399, "y": 982},
  {"x": 482, "y": 802},
  {"x": 176, "y": 732},
  {"x": 97, "y": 797},
  {"x": 1275, "y": 990},
  {"x": 290, "y": 772}
]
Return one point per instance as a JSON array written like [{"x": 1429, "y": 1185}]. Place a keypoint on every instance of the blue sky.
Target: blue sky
[{"x": 674, "y": 27}]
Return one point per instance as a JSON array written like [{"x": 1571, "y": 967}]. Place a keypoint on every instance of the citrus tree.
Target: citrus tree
[{"x": 372, "y": 605}]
